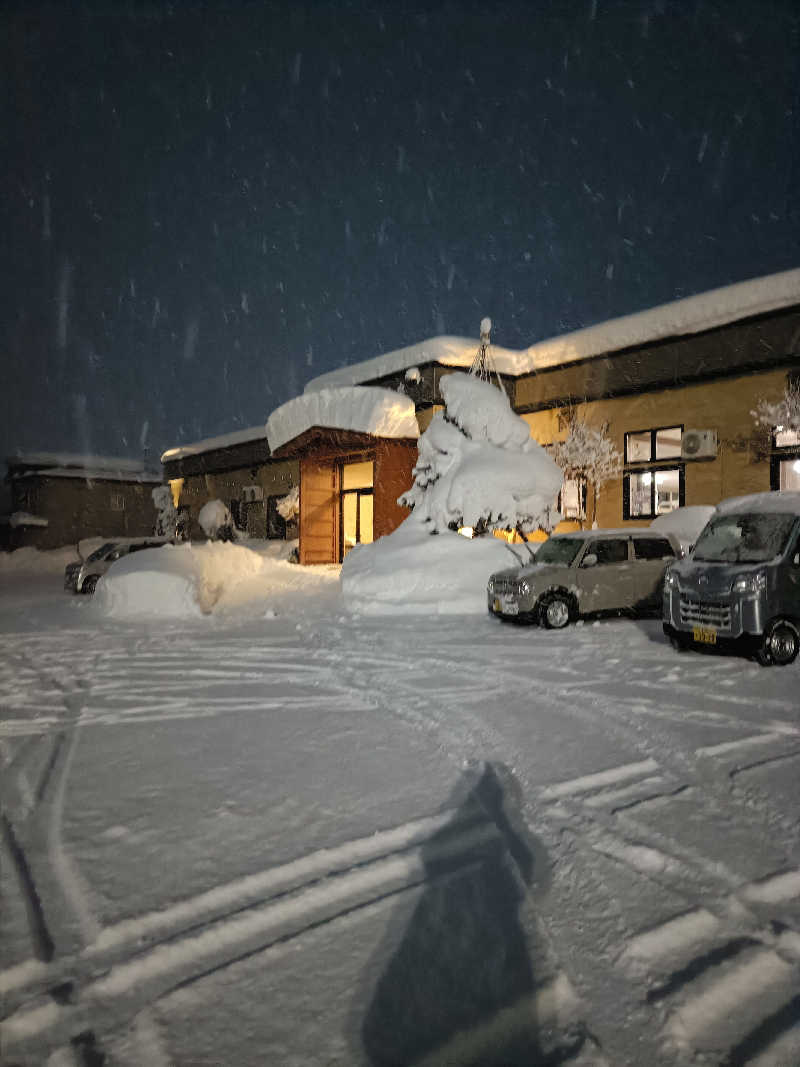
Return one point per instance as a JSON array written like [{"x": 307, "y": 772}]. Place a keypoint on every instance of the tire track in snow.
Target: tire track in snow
[{"x": 199, "y": 936}]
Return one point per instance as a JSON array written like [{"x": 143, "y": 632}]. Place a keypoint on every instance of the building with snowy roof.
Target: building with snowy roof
[
  {"x": 59, "y": 498},
  {"x": 674, "y": 387}
]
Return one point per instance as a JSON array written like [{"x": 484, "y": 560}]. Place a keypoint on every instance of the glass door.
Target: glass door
[{"x": 356, "y": 510}]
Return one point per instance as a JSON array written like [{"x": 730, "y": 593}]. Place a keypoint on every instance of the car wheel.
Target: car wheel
[
  {"x": 555, "y": 611},
  {"x": 780, "y": 646},
  {"x": 90, "y": 584}
]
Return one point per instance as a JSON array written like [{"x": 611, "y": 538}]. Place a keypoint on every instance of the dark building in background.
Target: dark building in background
[{"x": 58, "y": 499}]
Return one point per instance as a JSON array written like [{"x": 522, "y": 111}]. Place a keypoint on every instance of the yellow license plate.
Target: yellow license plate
[{"x": 704, "y": 635}]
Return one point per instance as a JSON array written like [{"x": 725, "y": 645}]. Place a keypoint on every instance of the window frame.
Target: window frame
[
  {"x": 652, "y": 430},
  {"x": 653, "y": 470},
  {"x": 779, "y": 455}
]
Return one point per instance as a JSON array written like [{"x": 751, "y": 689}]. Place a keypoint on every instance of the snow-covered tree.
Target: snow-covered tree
[
  {"x": 167, "y": 517},
  {"x": 589, "y": 457},
  {"x": 478, "y": 465},
  {"x": 216, "y": 521},
  {"x": 782, "y": 414},
  {"x": 289, "y": 505}
]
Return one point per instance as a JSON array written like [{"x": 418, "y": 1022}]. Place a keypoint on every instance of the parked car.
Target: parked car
[
  {"x": 741, "y": 585},
  {"x": 83, "y": 577},
  {"x": 583, "y": 573}
]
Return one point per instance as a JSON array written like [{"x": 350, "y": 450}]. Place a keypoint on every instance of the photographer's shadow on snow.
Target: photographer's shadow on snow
[{"x": 457, "y": 983}]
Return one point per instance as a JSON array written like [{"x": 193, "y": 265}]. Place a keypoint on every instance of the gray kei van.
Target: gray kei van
[{"x": 741, "y": 584}]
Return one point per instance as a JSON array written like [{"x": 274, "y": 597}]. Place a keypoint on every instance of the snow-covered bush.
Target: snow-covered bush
[
  {"x": 289, "y": 505},
  {"x": 478, "y": 465},
  {"x": 782, "y": 414},
  {"x": 216, "y": 521},
  {"x": 167, "y": 517},
  {"x": 589, "y": 457}
]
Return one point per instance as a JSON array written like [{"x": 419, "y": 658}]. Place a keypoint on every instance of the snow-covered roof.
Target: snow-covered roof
[
  {"x": 692, "y": 314},
  {"x": 210, "y": 444},
  {"x": 379, "y": 412},
  {"x": 91, "y": 474},
  {"x": 75, "y": 461}
]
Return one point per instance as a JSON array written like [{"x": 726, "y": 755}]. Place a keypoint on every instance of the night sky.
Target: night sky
[{"x": 206, "y": 205}]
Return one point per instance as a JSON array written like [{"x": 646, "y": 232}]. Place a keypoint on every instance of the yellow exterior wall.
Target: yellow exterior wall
[{"x": 742, "y": 463}]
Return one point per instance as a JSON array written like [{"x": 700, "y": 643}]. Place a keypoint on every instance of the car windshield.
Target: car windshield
[
  {"x": 100, "y": 552},
  {"x": 747, "y": 538},
  {"x": 559, "y": 550}
]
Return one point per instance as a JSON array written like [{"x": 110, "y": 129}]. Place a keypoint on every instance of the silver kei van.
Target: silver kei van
[
  {"x": 582, "y": 573},
  {"x": 741, "y": 584}
]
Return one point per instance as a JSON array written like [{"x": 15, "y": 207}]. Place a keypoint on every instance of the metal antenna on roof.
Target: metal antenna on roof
[{"x": 483, "y": 365}]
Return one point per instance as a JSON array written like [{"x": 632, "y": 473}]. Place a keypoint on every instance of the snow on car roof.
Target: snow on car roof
[
  {"x": 618, "y": 531},
  {"x": 783, "y": 501}
]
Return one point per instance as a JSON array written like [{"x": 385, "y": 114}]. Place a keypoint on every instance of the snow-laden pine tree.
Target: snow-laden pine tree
[
  {"x": 782, "y": 414},
  {"x": 479, "y": 467},
  {"x": 589, "y": 457},
  {"x": 167, "y": 517},
  {"x": 289, "y": 505}
]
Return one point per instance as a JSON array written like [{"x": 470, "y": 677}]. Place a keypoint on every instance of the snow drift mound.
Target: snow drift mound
[
  {"x": 175, "y": 581},
  {"x": 412, "y": 572},
  {"x": 686, "y": 523}
]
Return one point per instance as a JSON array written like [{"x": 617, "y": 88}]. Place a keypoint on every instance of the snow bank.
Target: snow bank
[
  {"x": 686, "y": 523},
  {"x": 411, "y": 572},
  {"x": 380, "y": 412},
  {"x": 176, "y": 581},
  {"x": 192, "y": 580}
]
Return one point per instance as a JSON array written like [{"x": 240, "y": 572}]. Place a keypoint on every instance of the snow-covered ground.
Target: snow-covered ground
[{"x": 295, "y": 835}]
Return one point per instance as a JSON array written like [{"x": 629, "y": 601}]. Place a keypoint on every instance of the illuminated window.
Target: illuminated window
[
  {"x": 572, "y": 503},
  {"x": 785, "y": 460},
  {"x": 656, "y": 489},
  {"x": 356, "y": 504}
]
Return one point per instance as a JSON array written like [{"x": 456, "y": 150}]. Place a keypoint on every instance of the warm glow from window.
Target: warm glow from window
[
  {"x": 176, "y": 485},
  {"x": 466, "y": 531},
  {"x": 357, "y": 475}
]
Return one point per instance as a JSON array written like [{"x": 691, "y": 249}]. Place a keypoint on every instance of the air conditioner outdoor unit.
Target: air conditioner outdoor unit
[
  {"x": 698, "y": 444},
  {"x": 251, "y": 493}
]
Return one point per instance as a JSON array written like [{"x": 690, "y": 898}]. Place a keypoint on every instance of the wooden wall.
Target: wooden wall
[
  {"x": 394, "y": 461},
  {"x": 319, "y": 511}
]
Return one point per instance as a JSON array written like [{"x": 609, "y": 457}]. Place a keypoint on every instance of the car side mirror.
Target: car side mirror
[{"x": 589, "y": 561}]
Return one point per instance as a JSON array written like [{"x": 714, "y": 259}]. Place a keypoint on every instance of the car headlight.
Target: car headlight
[
  {"x": 750, "y": 583},
  {"x": 490, "y": 585},
  {"x": 523, "y": 588},
  {"x": 670, "y": 580}
]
